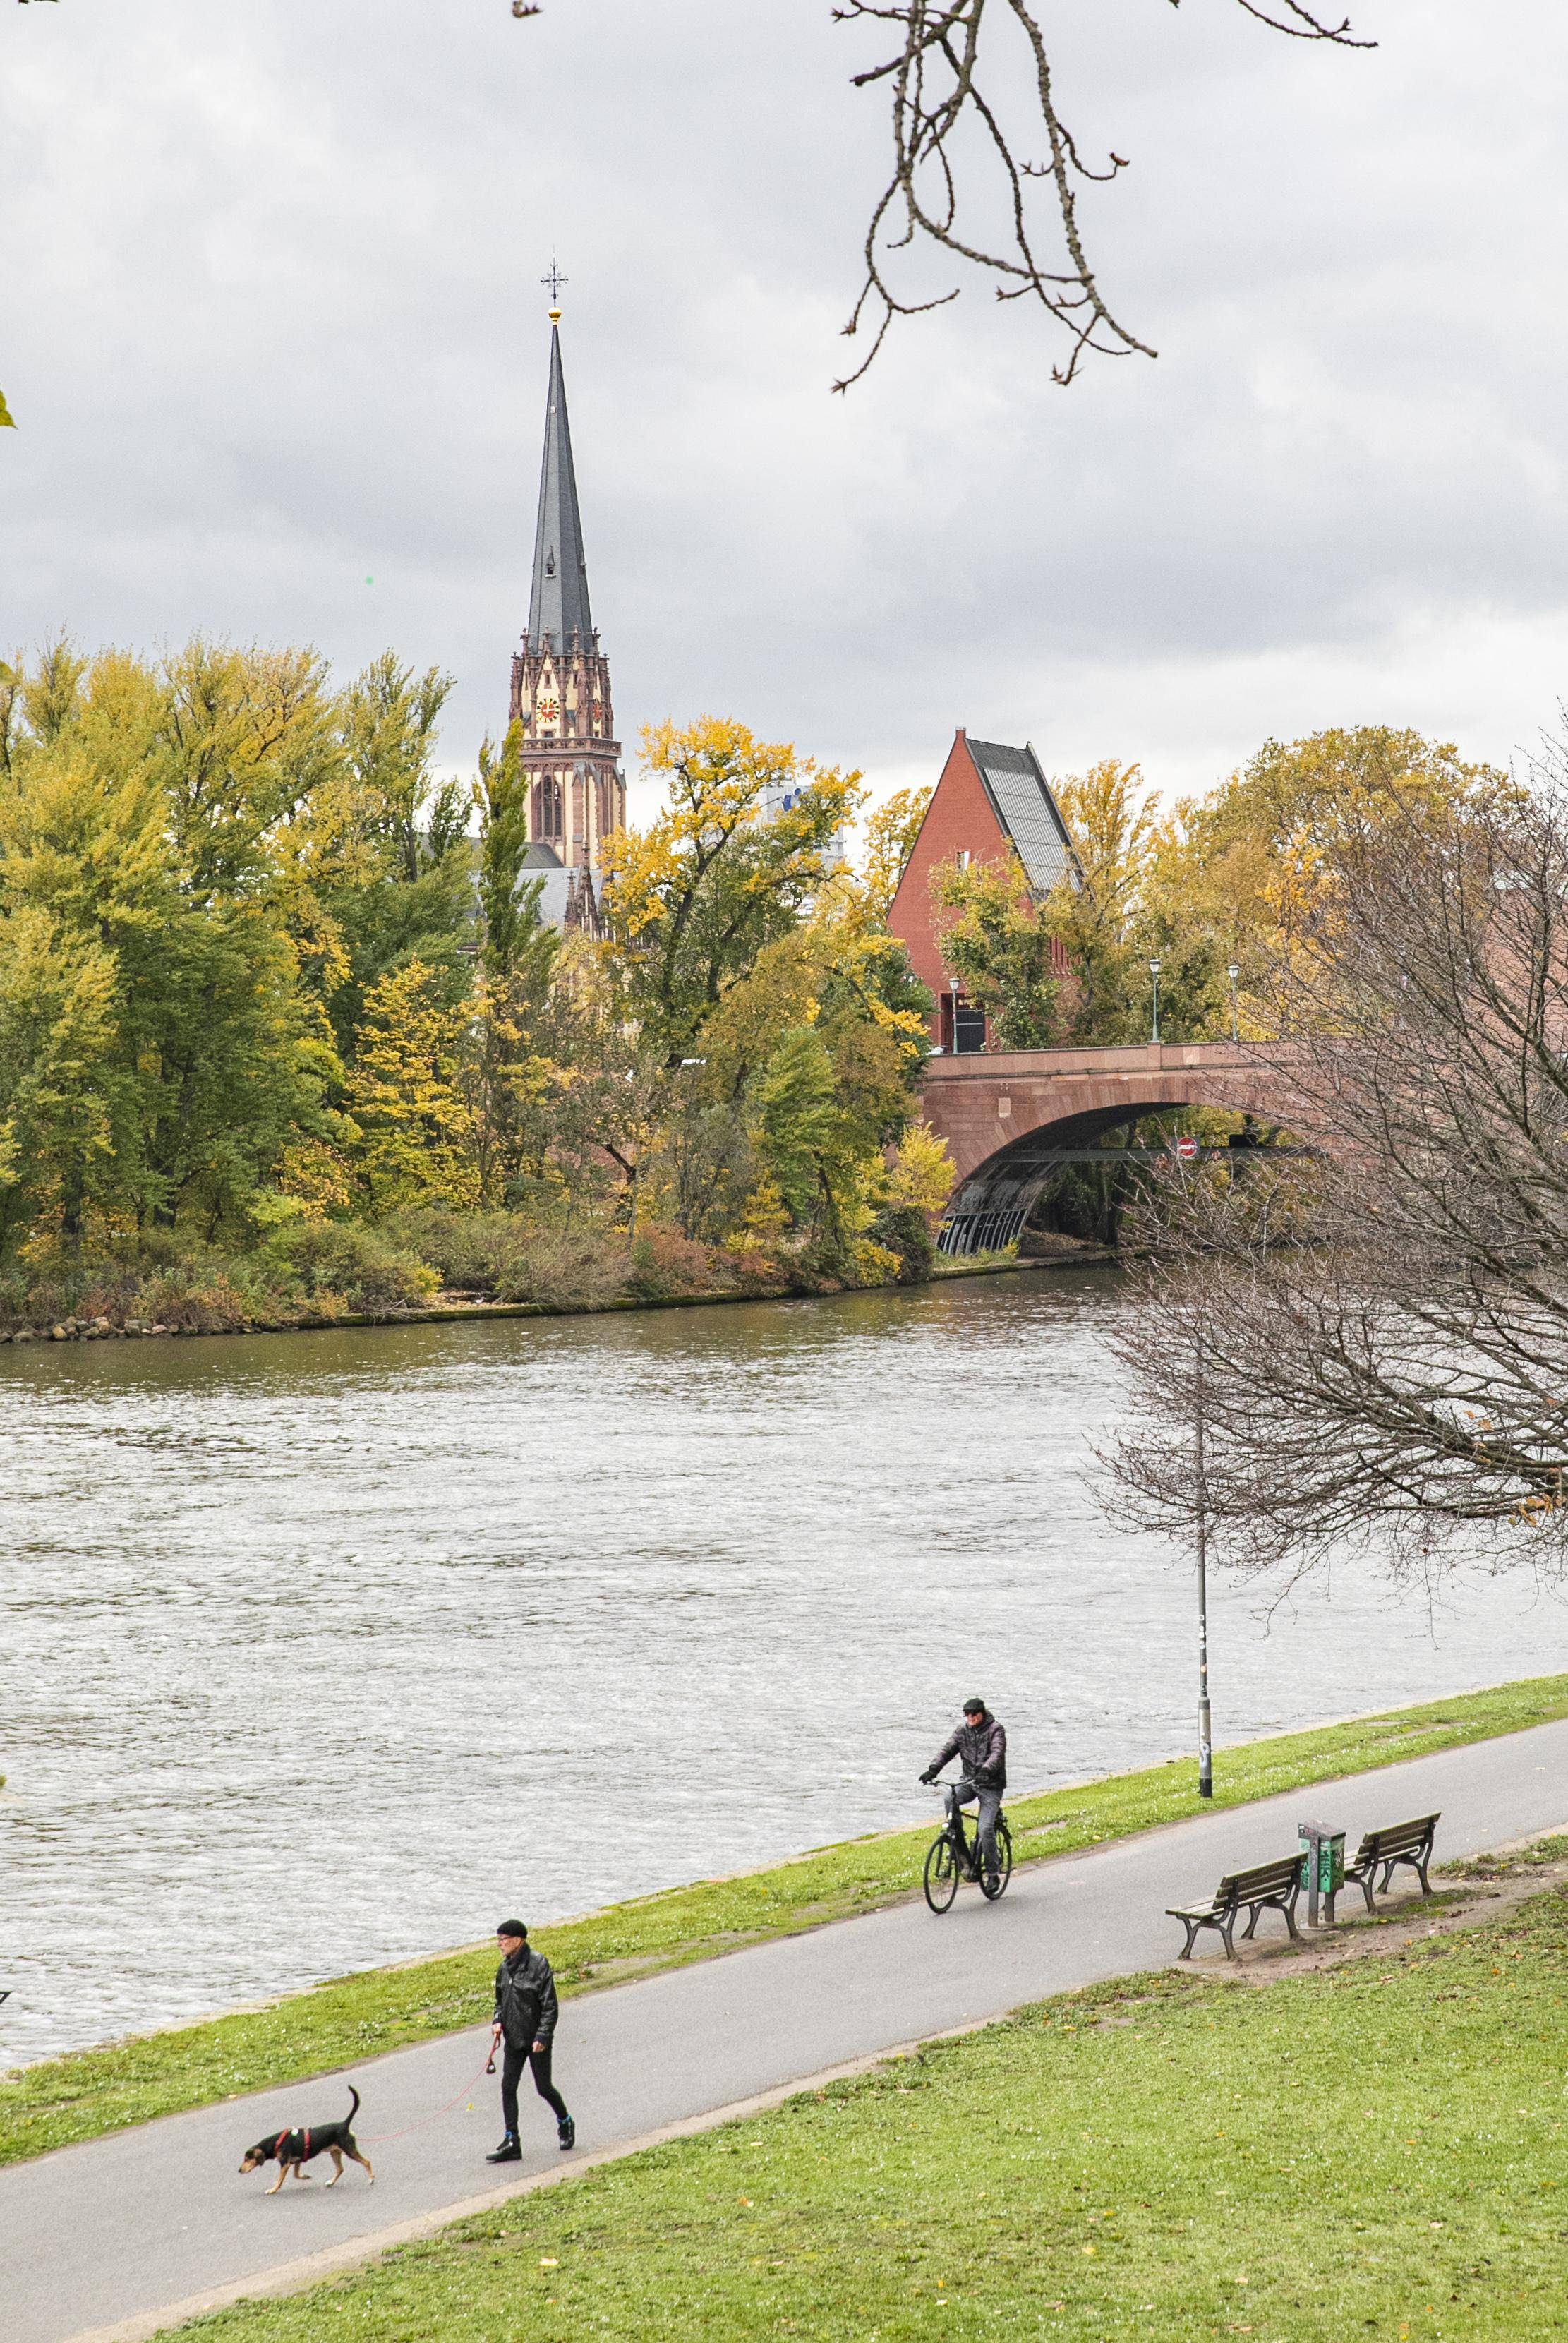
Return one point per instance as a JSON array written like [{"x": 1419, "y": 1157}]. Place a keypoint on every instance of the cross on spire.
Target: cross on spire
[{"x": 555, "y": 280}]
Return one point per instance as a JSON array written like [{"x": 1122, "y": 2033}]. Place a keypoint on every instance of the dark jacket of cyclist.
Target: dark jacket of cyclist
[{"x": 982, "y": 1748}]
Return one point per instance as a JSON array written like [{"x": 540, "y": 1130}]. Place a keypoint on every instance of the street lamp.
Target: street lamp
[
  {"x": 1233, "y": 972},
  {"x": 1154, "y": 1030},
  {"x": 1205, "y": 1725}
]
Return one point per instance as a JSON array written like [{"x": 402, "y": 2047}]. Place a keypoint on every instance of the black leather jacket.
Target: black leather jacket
[
  {"x": 526, "y": 2004},
  {"x": 983, "y": 1748}
]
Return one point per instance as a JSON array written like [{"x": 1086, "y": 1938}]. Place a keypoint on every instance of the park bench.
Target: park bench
[
  {"x": 1400, "y": 1842},
  {"x": 1267, "y": 1887}
]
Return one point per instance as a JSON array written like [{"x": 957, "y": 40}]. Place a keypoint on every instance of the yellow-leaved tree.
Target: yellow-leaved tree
[
  {"x": 409, "y": 1099},
  {"x": 747, "y": 839},
  {"x": 891, "y": 832}
]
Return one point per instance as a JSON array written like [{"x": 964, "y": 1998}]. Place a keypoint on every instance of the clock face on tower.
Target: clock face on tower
[{"x": 549, "y": 710}]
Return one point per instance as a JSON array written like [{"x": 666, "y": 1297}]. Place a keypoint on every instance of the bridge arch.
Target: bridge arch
[{"x": 1010, "y": 1119}]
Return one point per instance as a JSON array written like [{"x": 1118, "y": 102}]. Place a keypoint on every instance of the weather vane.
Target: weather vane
[{"x": 555, "y": 280}]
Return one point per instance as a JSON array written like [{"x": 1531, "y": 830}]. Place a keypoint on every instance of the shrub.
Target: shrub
[
  {"x": 471, "y": 1251},
  {"x": 338, "y": 1261},
  {"x": 905, "y": 1231},
  {"x": 874, "y": 1264},
  {"x": 664, "y": 1262},
  {"x": 564, "y": 1268}
]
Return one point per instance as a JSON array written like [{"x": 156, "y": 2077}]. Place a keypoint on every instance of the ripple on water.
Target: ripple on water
[{"x": 318, "y": 1652}]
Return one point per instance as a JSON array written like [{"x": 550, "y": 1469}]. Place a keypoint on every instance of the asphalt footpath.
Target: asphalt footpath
[{"x": 123, "y": 2235}]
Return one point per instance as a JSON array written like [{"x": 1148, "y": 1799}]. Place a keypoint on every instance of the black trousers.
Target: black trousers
[{"x": 517, "y": 2056}]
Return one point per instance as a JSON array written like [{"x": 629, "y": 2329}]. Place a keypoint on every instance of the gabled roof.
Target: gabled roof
[
  {"x": 558, "y": 604},
  {"x": 1022, "y": 802}
]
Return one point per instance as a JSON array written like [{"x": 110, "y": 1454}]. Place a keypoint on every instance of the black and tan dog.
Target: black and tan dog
[{"x": 294, "y": 2149}]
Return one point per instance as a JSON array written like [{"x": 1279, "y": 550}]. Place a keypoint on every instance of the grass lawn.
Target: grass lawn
[
  {"x": 1376, "y": 2150},
  {"x": 63, "y": 2100}
]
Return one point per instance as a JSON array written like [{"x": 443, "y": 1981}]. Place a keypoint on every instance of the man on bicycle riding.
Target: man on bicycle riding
[{"x": 979, "y": 1744}]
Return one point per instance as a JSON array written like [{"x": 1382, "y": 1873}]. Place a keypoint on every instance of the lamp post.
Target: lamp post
[
  {"x": 1233, "y": 972},
  {"x": 955, "y": 1016},
  {"x": 1154, "y": 1013},
  {"x": 1205, "y": 1727}
]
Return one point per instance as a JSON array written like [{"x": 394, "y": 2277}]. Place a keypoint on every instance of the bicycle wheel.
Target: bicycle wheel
[
  {"x": 1003, "y": 1862},
  {"x": 941, "y": 1874}
]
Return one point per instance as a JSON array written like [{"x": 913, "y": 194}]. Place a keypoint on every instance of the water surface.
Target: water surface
[{"x": 326, "y": 1650}]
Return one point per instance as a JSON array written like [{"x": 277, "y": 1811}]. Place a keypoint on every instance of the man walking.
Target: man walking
[
  {"x": 979, "y": 1744},
  {"x": 526, "y": 2014}
]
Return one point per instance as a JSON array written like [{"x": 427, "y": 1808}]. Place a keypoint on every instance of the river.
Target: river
[{"x": 326, "y": 1650}]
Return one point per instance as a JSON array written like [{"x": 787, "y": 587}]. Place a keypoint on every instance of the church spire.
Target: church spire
[
  {"x": 560, "y": 683},
  {"x": 558, "y": 603}
]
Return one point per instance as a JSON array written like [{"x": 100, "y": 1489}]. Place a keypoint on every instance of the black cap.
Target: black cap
[
  {"x": 974, "y": 1708},
  {"x": 511, "y": 1928}
]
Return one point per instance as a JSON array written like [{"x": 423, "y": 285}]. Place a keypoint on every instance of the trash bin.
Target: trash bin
[{"x": 1322, "y": 1866}]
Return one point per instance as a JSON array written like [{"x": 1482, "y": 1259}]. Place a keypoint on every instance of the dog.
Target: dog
[{"x": 294, "y": 2149}]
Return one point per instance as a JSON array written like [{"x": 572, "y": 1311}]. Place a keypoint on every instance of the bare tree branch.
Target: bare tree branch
[
  {"x": 935, "y": 99},
  {"x": 1385, "y": 1333}
]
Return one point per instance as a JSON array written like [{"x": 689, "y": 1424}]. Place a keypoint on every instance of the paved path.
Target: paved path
[{"x": 116, "y": 2237}]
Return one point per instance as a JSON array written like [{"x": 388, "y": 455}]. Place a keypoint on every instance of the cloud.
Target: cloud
[{"x": 274, "y": 328}]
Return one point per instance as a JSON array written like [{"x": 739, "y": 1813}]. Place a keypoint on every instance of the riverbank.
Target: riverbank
[
  {"x": 446, "y": 1309},
  {"x": 80, "y": 2097},
  {"x": 1372, "y": 2146}
]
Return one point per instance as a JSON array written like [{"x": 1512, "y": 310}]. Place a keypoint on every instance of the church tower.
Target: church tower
[{"x": 560, "y": 679}]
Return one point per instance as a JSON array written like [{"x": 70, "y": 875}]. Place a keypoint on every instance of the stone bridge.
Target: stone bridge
[{"x": 1013, "y": 1117}]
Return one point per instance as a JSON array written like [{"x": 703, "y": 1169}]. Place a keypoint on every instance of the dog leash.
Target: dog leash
[{"x": 374, "y": 2140}]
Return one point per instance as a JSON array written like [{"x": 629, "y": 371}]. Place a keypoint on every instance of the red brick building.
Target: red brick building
[{"x": 991, "y": 801}]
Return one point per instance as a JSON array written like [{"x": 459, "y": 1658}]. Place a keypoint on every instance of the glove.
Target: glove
[{"x": 928, "y": 1777}]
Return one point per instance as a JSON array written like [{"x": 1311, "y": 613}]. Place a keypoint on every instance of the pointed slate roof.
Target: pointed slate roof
[
  {"x": 1027, "y": 810},
  {"x": 559, "y": 600}
]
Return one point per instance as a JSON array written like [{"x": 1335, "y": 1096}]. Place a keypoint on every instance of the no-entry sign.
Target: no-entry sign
[{"x": 1186, "y": 1147}]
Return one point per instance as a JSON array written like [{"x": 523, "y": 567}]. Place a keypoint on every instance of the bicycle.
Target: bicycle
[{"x": 954, "y": 1854}]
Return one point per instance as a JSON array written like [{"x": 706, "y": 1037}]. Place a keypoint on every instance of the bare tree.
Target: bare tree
[{"x": 1384, "y": 1328}]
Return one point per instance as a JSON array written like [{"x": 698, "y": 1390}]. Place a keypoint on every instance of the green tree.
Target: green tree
[
  {"x": 402, "y": 872},
  {"x": 130, "y": 836},
  {"x": 996, "y": 941},
  {"x": 57, "y": 1036}
]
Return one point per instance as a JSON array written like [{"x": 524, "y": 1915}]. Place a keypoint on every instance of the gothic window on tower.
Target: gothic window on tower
[{"x": 548, "y": 808}]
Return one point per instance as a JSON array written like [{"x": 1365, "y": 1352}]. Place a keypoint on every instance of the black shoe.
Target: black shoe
[
  {"x": 508, "y": 2152},
  {"x": 567, "y": 2132}
]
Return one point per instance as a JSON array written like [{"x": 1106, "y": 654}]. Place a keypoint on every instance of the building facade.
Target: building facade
[
  {"x": 991, "y": 801},
  {"x": 560, "y": 688}
]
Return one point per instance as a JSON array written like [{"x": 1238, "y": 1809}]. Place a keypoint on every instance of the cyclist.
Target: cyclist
[{"x": 979, "y": 1744}]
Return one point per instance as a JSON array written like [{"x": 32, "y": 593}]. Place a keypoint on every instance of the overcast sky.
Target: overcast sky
[{"x": 271, "y": 324}]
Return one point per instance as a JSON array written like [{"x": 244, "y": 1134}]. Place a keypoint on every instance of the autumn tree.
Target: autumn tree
[
  {"x": 996, "y": 941},
  {"x": 408, "y": 1099},
  {"x": 123, "y": 828},
  {"x": 745, "y": 843},
  {"x": 891, "y": 832}
]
